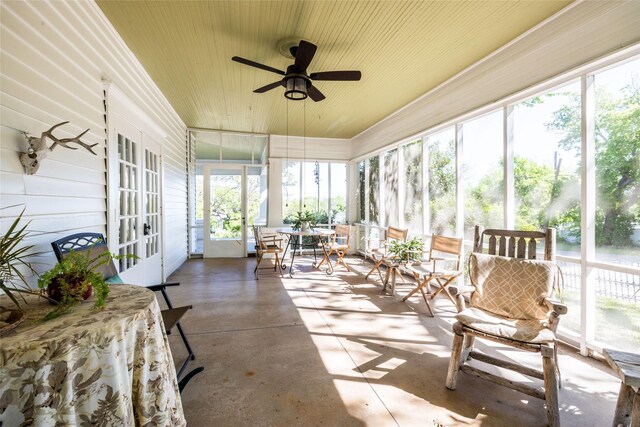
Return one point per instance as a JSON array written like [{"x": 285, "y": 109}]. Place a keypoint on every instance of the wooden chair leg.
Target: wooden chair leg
[
  {"x": 550, "y": 386},
  {"x": 426, "y": 301},
  {"x": 278, "y": 264},
  {"x": 376, "y": 266},
  {"x": 455, "y": 360},
  {"x": 420, "y": 284},
  {"x": 258, "y": 259},
  {"x": 325, "y": 258}
]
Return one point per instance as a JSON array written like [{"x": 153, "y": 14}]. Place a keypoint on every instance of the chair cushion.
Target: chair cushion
[
  {"x": 531, "y": 331},
  {"x": 114, "y": 280},
  {"x": 512, "y": 287}
]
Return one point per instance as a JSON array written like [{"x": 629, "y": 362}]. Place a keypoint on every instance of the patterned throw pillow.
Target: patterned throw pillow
[{"x": 511, "y": 287}]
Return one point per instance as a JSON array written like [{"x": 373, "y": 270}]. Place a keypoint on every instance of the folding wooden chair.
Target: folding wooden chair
[
  {"x": 171, "y": 316},
  {"x": 267, "y": 244},
  {"x": 379, "y": 254},
  {"x": 338, "y": 244},
  {"x": 440, "y": 245}
]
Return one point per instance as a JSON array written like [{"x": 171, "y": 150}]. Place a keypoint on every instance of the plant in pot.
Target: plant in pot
[
  {"x": 15, "y": 268},
  {"x": 74, "y": 279},
  {"x": 407, "y": 251},
  {"x": 304, "y": 220}
]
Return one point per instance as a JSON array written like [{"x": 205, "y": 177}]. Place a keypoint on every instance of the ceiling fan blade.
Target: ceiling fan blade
[
  {"x": 315, "y": 94},
  {"x": 257, "y": 65},
  {"x": 337, "y": 75},
  {"x": 268, "y": 87},
  {"x": 304, "y": 54}
]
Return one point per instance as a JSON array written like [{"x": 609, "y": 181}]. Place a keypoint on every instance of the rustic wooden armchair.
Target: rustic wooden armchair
[
  {"x": 443, "y": 249},
  {"x": 97, "y": 244},
  {"x": 379, "y": 253},
  {"x": 339, "y": 244},
  {"x": 512, "y": 304},
  {"x": 267, "y": 244}
]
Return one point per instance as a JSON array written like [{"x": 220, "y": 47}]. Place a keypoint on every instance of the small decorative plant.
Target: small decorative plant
[
  {"x": 409, "y": 250},
  {"x": 73, "y": 280},
  {"x": 15, "y": 266},
  {"x": 304, "y": 220}
]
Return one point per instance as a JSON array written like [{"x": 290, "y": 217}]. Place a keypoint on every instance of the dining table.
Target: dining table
[
  {"x": 90, "y": 366},
  {"x": 295, "y": 242}
]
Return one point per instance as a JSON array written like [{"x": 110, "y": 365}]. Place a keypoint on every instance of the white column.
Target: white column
[
  {"x": 459, "y": 182},
  {"x": 588, "y": 220},
  {"x": 426, "y": 202},
  {"x": 509, "y": 188}
]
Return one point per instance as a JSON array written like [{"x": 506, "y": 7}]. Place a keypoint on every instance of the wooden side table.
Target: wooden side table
[{"x": 627, "y": 367}]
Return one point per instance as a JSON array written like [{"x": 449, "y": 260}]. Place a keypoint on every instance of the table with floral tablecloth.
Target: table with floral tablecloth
[{"x": 91, "y": 366}]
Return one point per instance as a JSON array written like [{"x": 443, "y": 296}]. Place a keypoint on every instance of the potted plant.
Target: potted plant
[
  {"x": 407, "y": 251},
  {"x": 74, "y": 279},
  {"x": 304, "y": 220},
  {"x": 15, "y": 267}
]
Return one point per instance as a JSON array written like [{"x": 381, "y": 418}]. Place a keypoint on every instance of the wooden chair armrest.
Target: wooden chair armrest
[{"x": 556, "y": 306}]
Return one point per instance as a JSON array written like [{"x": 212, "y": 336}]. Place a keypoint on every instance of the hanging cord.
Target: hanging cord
[
  {"x": 304, "y": 141},
  {"x": 286, "y": 205}
]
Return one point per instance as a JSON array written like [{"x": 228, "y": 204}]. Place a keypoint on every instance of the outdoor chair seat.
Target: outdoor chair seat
[{"x": 524, "y": 330}]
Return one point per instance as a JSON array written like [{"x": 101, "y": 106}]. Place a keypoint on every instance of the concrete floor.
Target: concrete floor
[{"x": 332, "y": 350}]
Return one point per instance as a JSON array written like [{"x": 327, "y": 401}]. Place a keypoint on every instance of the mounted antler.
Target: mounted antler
[{"x": 38, "y": 149}]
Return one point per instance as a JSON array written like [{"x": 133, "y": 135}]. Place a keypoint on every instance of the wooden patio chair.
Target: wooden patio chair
[
  {"x": 379, "y": 254},
  {"x": 512, "y": 304},
  {"x": 97, "y": 244},
  {"x": 267, "y": 244},
  {"x": 339, "y": 244},
  {"x": 443, "y": 250}
]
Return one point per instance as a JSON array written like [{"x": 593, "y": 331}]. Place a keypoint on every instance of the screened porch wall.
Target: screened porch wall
[{"x": 54, "y": 58}]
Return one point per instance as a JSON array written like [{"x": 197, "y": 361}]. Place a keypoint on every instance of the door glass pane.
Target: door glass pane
[
  {"x": 617, "y": 159},
  {"x": 391, "y": 187},
  {"x": 225, "y": 205},
  {"x": 483, "y": 173},
  {"x": 374, "y": 188},
  {"x": 152, "y": 203},
  {"x": 413, "y": 186},
  {"x": 338, "y": 193},
  {"x": 442, "y": 182},
  {"x": 128, "y": 203}
]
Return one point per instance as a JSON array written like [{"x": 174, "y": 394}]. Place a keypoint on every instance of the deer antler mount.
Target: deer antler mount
[{"x": 38, "y": 148}]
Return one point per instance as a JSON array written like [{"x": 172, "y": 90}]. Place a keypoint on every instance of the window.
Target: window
[
  {"x": 361, "y": 193},
  {"x": 547, "y": 147},
  {"x": 391, "y": 188},
  {"x": 412, "y": 153},
  {"x": 338, "y": 193},
  {"x": 290, "y": 191},
  {"x": 617, "y": 157},
  {"x": 320, "y": 186},
  {"x": 483, "y": 173},
  {"x": 374, "y": 188},
  {"x": 442, "y": 182}
]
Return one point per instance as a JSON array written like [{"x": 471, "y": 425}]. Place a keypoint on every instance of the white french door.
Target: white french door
[
  {"x": 225, "y": 211},
  {"x": 135, "y": 232}
]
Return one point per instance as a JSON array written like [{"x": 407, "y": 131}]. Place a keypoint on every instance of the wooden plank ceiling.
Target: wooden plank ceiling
[{"x": 403, "y": 49}]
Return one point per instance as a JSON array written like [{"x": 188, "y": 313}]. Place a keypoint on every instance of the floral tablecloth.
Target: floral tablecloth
[{"x": 91, "y": 367}]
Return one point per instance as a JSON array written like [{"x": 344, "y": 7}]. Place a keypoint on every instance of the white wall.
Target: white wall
[
  {"x": 579, "y": 34},
  {"x": 54, "y": 56}
]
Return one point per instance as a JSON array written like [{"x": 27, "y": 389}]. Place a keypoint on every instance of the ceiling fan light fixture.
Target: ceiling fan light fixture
[{"x": 296, "y": 89}]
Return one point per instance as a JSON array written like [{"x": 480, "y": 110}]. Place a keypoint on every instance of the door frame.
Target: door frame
[
  {"x": 206, "y": 174},
  {"x": 119, "y": 107}
]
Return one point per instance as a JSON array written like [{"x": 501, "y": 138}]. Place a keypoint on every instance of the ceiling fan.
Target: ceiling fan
[{"x": 297, "y": 83}]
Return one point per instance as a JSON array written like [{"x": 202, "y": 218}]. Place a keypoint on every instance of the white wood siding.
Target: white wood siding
[
  {"x": 579, "y": 34},
  {"x": 54, "y": 57}
]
